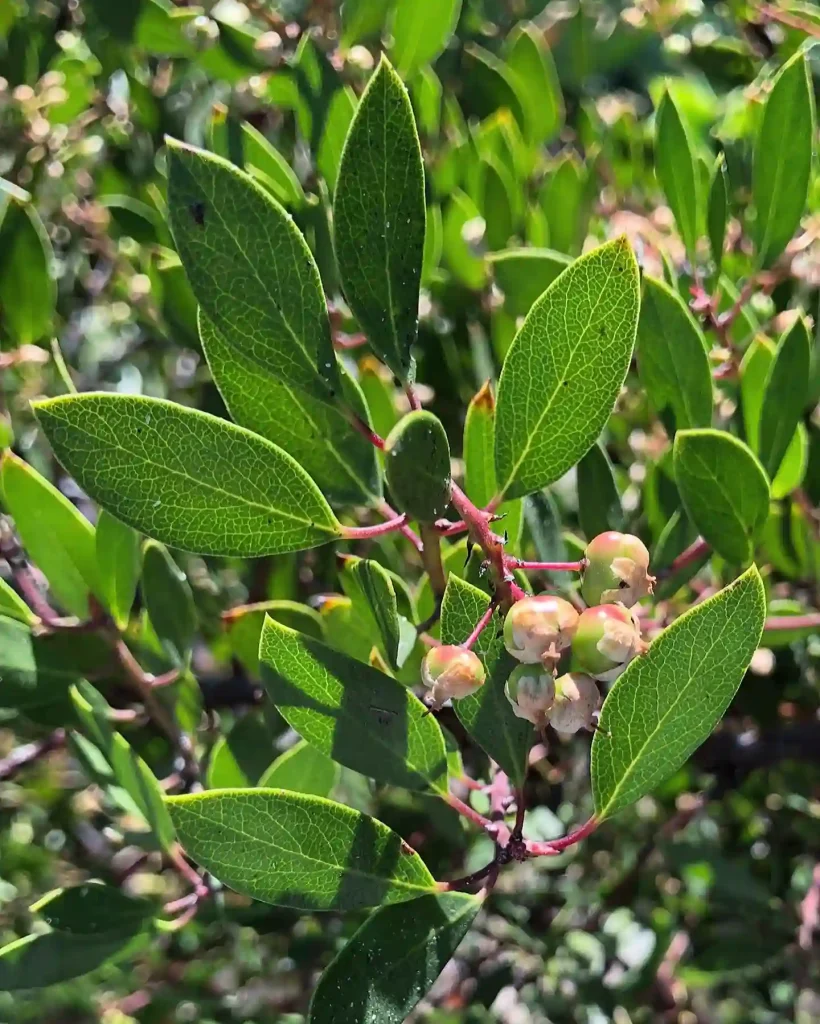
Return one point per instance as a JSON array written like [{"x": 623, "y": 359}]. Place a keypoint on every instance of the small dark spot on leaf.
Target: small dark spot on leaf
[
  {"x": 566, "y": 382},
  {"x": 198, "y": 213},
  {"x": 406, "y": 849}
]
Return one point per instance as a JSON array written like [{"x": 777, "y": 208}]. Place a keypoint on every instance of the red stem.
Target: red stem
[
  {"x": 492, "y": 545},
  {"x": 520, "y": 563},
  {"x": 695, "y": 551},
  {"x": 359, "y": 424},
  {"x": 481, "y": 625},
  {"x": 809, "y": 621},
  {"x": 412, "y": 398},
  {"x": 365, "y": 532},
  {"x": 556, "y": 846}
]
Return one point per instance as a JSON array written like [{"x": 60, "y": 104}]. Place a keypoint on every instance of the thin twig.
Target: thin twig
[
  {"x": 29, "y": 753},
  {"x": 480, "y": 626},
  {"x": 377, "y": 530}
]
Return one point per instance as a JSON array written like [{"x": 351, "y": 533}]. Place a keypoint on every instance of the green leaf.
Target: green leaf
[
  {"x": 671, "y": 698},
  {"x": 251, "y": 270},
  {"x": 243, "y": 756},
  {"x": 420, "y": 31},
  {"x": 433, "y": 244},
  {"x": 459, "y": 251},
  {"x": 118, "y": 566},
  {"x": 225, "y": 491},
  {"x": 529, "y": 58},
  {"x": 28, "y": 293},
  {"x": 379, "y": 219},
  {"x": 479, "y": 433},
  {"x": 169, "y": 602},
  {"x": 672, "y": 359},
  {"x": 298, "y": 851},
  {"x": 317, "y": 435},
  {"x": 417, "y": 464},
  {"x": 486, "y": 715},
  {"x": 563, "y": 199},
  {"x": 354, "y": 714},
  {"x": 493, "y": 86},
  {"x": 40, "y": 960},
  {"x": 391, "y": 962},
  {"x": 13, "y": 606},
  {"x": 267, "y": 165},
  {"x": 675, "y": 168},
  {"x": 717, "y": 211},
  {"x": 724, "y": 490},
  {"x": 426, "y": 91},
  {"x": 783, "y": 158},
  {"x": 91, "y": 909},
  {"x": 599, "y": 503},
  {"x": 245, "y": 627},
  {"x": 337, "y": 124},
  {"x": 785, "y": 394},
  {"x": 302, "y": 769},
  {"x": 378, "y": 593},
  {"x": 523, "y": 275},
  {"x": 565, "y": 369},
  {"x": 497, "y": 189},
  {"x": 128, "y": 768},
  {"x": 57, "y": 537},
  {"x": 376, "y": 383}
]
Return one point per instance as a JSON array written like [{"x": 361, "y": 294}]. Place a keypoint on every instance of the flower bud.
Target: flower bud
[
  {"x": 607, "y": 638},
  {"x": 616, "y": 569},
  {"x": 531, "y": 692},
  {"x": 537, "y": 629},
  {"x": 450, "y": 673},
  {"x": 576, "y": 701}
]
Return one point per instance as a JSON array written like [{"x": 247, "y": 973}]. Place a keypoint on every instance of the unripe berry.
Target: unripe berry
[
  {"x": 537, "y": 629},
  {"x": 616, "y": 569},
  {"x": 450, "y": 673},
  {"x": 576, "y": 701},
  {"x": 531, "y": 692},
  {"x": 607, "y": 638}
]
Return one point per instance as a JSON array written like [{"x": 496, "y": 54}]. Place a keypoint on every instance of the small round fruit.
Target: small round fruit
[
  {"x": 531, "y": 692},
  {"x": 537, "y": 629},
  {"x": 450, "y": 673},
  {"x": 576, "y": 701},
  {"x": 607, "y": 638},
  {"x": 417, "y": 466},
  {"x": 616, "y": 568}
]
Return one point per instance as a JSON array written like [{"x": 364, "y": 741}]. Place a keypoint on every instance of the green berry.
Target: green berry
[
  {"x": 537, "y": 629},
  {"x": 607, "y": 638},
  {"x": 530, "y": 690},
  {"x": 417, "y": 466},
  {"x": 576, "y": 701},
  {"x": 616, "y": 568},
  {"x": 450, "y": 673}
]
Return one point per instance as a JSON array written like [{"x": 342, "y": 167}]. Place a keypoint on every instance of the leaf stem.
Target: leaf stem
[
  {"x": 520, "y": 563},
  {"x": 556, "y": 846},
  {"x": 431, "y": 557},
  {"x": 481, "y": 625},
  {"x": 365, "y": 532},
  {"x": 412, "y": 397},
  {"x": 695, "y": 551},
  {"x": 390, "y": 513},
  {"x": 364, "y": 429},
  {"x": 808, "y": 621}
]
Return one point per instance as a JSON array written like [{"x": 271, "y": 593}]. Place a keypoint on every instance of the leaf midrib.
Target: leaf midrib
[
  {"x": 343, "y": 868},
  {"x": 200, "y": 483},
  {"x": 557, "y": 388},
  {"x": 626, "y": 774}
]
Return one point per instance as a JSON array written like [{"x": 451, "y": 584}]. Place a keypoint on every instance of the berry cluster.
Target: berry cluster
[{"x": 539, "y": 631}]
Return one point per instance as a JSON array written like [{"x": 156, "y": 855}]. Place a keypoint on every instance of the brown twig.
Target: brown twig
[{"x": 30, "y": 753}]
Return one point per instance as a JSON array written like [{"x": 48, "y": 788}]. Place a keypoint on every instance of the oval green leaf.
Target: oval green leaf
[
  {"x": 671, "y": 698},
  {"x": 118, "y": 566},
  {"x": 224, "y": 492},
  {"x": 417, "y": 465},
  {"x": 28, "y": 293},
  {"x": 784, "y": 396},
  {"x": 529, "y": 58},
  {"x": 250, "y": 269},
  {"x": 675, "y": 168},
  {"x": 356, "y": 715},
  {"x": 782, "y": 158},
  {"x": 298, "y": 851},
  {"x": 525, "y": 274},
  {"x": 379, "y": 219},
  {"x": 409, "y": 944},
  {"x": 486, "y": 715},
  {"x": 565, "y": 369},
  {"x": 672, "y": 360},
  {"x": 302, "y": 769},
  {"x": 599, "y": 503},
  {"x": 243, "y": 756},
  {"x": 724, "y": 490},
  {"x": 169, "y": 603},
  {"x": 369, "y": 585},
  {"x": 420, "y": 32},
  {"x": 57, "y": 537}
]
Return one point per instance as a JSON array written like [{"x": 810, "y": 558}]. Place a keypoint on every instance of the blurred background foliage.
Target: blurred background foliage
[{"x": 537, "y": 126}]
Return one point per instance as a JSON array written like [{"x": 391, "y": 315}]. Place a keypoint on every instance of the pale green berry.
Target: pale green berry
[
  {"x": 616, "y": 568},
  {"x": 576, "y": 701},
  {"x": 450, "y": 673},
  {"x": 531, "y": 692},
  {"x": 537, "y": 629},
  {"x": 607, "y": 638}
]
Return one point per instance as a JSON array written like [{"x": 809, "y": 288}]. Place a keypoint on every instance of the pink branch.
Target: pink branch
[
  {"x": 366, "y": 532},
  {"x": 809, "y": 621},
  {"x": 519, "y": 563},
  {"x": 695, "y": 551},
  {"x": 556, "y": 846},
  {"x": 390, "y": 513},
  {"x": 412, "y": 398},
  {"x": 481, "y": 625},
  {"x": 365, "y": 430}
]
